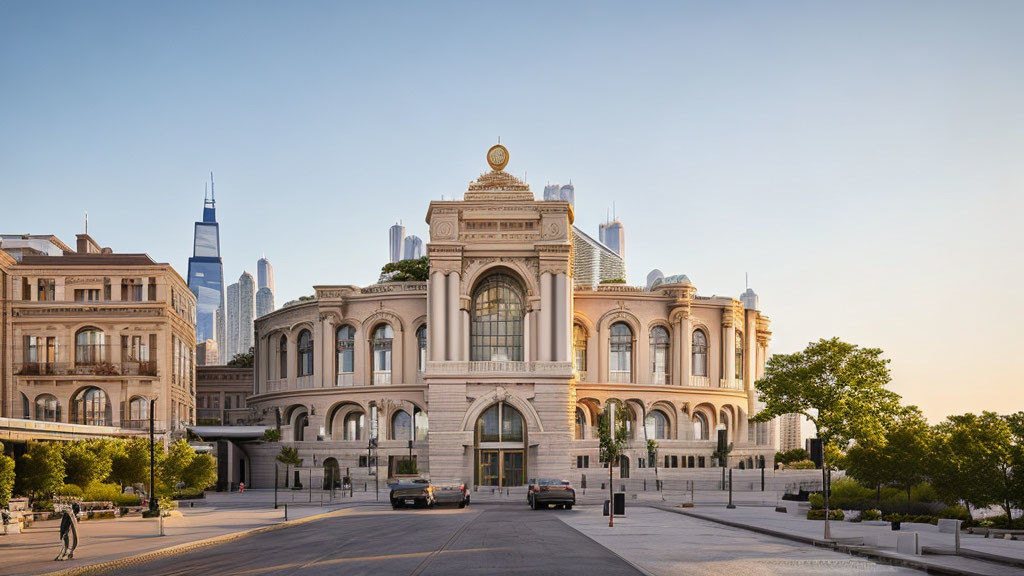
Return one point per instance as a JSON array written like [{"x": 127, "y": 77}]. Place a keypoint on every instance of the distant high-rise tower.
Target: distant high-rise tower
[
  {"x": 749, "y": 299},
  {"x": 222, "y": 335},
  {"x": 791, "y": 432},
  {"x": 264, "y": 302},
  {"x": 613, "y": 235},
  {"x": 206, "y": 270},
  {"x": 265, "y": 273},
  {"x": 413, "y": 248},
  {"x": 567, "y": 193},
  {"x": 246, "y": 311},
  {"x": 232, "y": 325},
  {"x": 396, "y": 237}
]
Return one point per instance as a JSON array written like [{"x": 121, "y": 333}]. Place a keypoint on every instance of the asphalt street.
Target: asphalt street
[{"x": 481, "y": 539}]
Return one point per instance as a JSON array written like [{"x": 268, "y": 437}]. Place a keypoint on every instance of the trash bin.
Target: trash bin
[{"x": 620, "y": 503}]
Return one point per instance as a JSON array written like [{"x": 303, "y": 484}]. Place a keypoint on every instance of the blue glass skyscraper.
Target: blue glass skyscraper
[{"x": 206, "y": 272}]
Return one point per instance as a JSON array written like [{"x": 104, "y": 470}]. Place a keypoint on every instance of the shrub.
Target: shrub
[
  {"x": 870, "y": 515},
  {"x": 801, "y": 465},
  {"x": 848, "y": 494},
  {"x": 97, "y": 492},
  {"x": 127, "y": 500},
  {"x": 191, "y": 493},
  {"x": 923, "y": 493},
  {"x": 6, "y": 478},
  {"x": 42, "y": 505},
  {"x": 814, "y": 514},
  {"x": 955, "y": 513},
  {"x": 817, "y": 501},
  {"x": 73, "y": 490},
  {"x": 272, "y": 435}
]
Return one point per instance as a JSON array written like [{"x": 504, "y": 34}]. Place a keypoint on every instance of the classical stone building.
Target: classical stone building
[
  {"x": 497, "y": 368},
  {"x": 89, "y": 338},
  {"x": 221, "y": 394}
]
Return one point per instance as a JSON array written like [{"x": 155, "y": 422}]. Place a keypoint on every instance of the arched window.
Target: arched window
[
  {"x": 658, "y": 426},
  {"x": 659, "y": 355},
  {"x": 305, "y": 353},
  {"x": 90, "y": 407},
  {"x": 700, "y": 426},
  {"x": 421, "y": 342},
  {"x": 299, "y": 427},
  {"x": 724, "y": 423},
  {"x": 579, "y": 349},
  {"x": 47, "y": 408},
  {"x": 401, "y": 426},
  {"x": 89, "y": 349},
  {"x": 621, "y": 353},
  {"x": 283, "y": 355},
  {"x": 739, "y": 355},
  {"x": 581, "y": 424},
  {"x": 383, "y": 336},
  {"x": 354, "y": 423},
  {"x": 26, "y": 407},
  {"x": 138, "y": 412},
  {"x": 700, "y": 353},
  {"x": 496, "y": 330},
  {"x": 344, "y": 346}
]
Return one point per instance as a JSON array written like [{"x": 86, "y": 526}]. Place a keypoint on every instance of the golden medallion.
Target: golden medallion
[{"x": 497, "y": 157}]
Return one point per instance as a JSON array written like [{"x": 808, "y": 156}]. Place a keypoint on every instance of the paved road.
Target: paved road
[{"x": 498, "y": 539}]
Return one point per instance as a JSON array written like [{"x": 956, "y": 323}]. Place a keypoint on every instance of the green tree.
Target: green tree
[
  {"x": 177, "y": 460},
  {"x": 289, "y": 457},
  {"x": 1016, "y": 482},
  {"x": 243, "y": 360},
  {"x": 6, "y": 478},
  {"x": 201, "y": 472},
  {"x": 789, "y": 456},
  {"x": 41, "y": 469},
  {"x": 867, "y": 463},
  {"x": 88, "y": 461},
  {"x": 973, "y": 460},
  {"x": 130, "y": 465},
  {"x": 414, "y": 270},
  {"x": 838, "y": 387},
  {"x": 908, "y": 449}
]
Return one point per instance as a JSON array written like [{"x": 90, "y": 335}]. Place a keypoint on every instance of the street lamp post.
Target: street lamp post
[{"x": 152, "y": 455}]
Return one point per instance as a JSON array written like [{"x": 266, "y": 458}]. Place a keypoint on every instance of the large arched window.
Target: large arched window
[
  {"x": 138, "y": 412},
  {"x": 47, "y": 408},
  {"x": 701, "y": 428},
  {"x": 581, "y": 424},
  {"x": 421, "y": 343},
  {"x": 496, "y": 330},
  {"x": 353, "y": 424},
  {"x": 89, "y": 349},
  {"x": 90, "y": 407},
  {"x": 658, "y": 426},
  {"x": 401, "y": 426},
  {"x": 659, "y": 355},
  {"x": 620, "y": 355},
  {"x": 700, "y": 353},
  {"x": 739, "y": 355},
  {"x": 283, "y": 355},
  {"x": 299, "y": 427},
  {"x": 305, "y": 353},
  {"x": 500, "y": 446},
  {"x": 579, "y": 349},
  {"x": 380, "y": 365},
  {"x": 344, "y": 346}
]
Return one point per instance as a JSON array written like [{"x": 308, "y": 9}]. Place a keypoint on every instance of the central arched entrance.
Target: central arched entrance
[{"x": 500, "y": 446}]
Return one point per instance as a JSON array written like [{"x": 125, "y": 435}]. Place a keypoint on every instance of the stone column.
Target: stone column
[
  {"x": 560, "y": 323},
  {"x": 728, "y": 347},
  {"x": 435, "y": 319},
  {"x": 453, "y": 323},
  {"x": 465, "y": 334},
  {"x": 686, "y": 348},
  {"x": 527, "y": 336},
  {"x": 546, "y": 304}
]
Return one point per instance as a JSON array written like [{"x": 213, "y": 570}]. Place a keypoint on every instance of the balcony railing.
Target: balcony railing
[
  {"x": 499, "y": 368},
  {"x": 659, "y": 378},
  {"x": 620, "y": 376},
  {"x": 382, "y": 377},
  {"x": 74, "y": 369},
  {"x": 700, "y": 381},
  {"x": 731, "y": 384},
  {"x": 345, "y": 379}
]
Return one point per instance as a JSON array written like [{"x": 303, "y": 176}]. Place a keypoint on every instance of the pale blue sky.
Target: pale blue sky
[{"x": 861, "y": 161}]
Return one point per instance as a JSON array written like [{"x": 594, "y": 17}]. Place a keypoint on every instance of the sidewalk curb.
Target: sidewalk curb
[
  {"x": 882, "y": 557},
  {"x": 117, "y": 563}
]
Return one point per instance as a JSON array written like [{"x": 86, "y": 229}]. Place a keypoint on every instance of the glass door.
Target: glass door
[
  {"x": 512, "y": 467},
  {"x": 490, "y": 468}
]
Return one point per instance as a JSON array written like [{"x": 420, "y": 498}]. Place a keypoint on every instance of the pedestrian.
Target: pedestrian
[
  {"x": 69, "y": 533},
  {"x": 241, "y": 486}
]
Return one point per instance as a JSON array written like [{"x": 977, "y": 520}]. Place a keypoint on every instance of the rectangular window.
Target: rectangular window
[
  {"x": 87, "y": 294},
  {"x": 131, "y": 290},
  {"x": 106, "y": 289},
  {"x": 47, "y": 290},
  {"x": 26, "y": 289},
  {"x": 675, "y": 461},
  {"x": 151, "y": 295}
]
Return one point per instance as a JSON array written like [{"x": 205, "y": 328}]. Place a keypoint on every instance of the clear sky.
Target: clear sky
[{"x": 862, "y": 162}]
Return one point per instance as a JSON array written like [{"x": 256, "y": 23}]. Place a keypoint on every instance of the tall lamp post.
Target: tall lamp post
[{"x": 152, "y": 456}]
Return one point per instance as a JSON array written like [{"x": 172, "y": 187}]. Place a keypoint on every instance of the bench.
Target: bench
[
  {"x": 1005, "y": 534},
  {"x": 948, "y": 526}
]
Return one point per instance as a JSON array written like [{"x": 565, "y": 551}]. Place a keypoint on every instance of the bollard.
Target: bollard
[
  {"x": 286, "y": 512},
  {"x": 762, "y": 478},
  {"x": 161, "y": 517},
  {"x": 730, "y": 505}
]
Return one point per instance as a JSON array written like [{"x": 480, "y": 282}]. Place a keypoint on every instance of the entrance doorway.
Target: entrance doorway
[
  {"x": 500, "y": 468},
  {"x": 623, "y": 467},
  {"x": 500, "y": 447}
]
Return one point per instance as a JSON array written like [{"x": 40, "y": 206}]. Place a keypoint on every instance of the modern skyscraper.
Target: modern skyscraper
[
  {"x": 206, "y": 270},
  {"x": 555, "y": 192},
  {"x": 264, "y": 302},
  {"x": 246, "y": 311},
  {"x": 232, "y": 326},
  {"x": 613, "y": 235},
  {"x": 791, "y": 432},
  {"x": 222, "y": 335},
  {"x": 265, "y": 273},
  {"x": 413, "y": 248},
  {"x": 396, "y": 237}
]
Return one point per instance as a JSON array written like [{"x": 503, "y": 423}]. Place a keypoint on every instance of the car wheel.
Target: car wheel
[{"x": 568, "y": 506}]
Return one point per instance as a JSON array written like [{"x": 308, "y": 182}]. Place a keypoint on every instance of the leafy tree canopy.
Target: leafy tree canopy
[
  {"x": 414, "y": 270},
  {"x": 243, "y": 360}
]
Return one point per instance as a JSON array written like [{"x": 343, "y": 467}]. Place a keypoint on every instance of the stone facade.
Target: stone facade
[
  {"x": 498, "y": 368},
  {"x": 92, "y": 336},
  {"x": 221, "y": 395}
]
